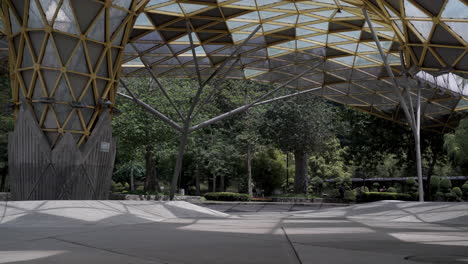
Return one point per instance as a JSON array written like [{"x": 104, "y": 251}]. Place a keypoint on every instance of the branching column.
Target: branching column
[{"x": 65, "y": 64}]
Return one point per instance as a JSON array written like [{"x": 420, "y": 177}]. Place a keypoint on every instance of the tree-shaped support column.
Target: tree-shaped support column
[{"x": 65, "y": 65}]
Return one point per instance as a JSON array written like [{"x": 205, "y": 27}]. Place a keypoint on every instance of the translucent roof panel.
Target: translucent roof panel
[{"x": 294, "y": 35}]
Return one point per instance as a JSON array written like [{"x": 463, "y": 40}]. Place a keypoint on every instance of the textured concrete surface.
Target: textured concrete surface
[{"x": 179, "y": 232}]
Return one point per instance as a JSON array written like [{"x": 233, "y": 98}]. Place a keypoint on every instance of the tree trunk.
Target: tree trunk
[
  {"x": 300, "y": 178},
  {"x": 197, "y": 180},
  {"x": 214, "y": 183},
  {"x": 151, "y": 181},
  {"x": 430, "y": 171},
  {"x": 4, "y": 172},
  {"x": 249, "y": 172},
  {"x": 222, "y": 188},
  {"x": 132, "y": 180}
]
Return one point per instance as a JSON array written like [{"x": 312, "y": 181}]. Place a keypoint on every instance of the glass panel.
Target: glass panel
[
  {"x": 323, "y": 26},
  {"x": 78, "y": 62},
  {"x": 245, "y": 3},
  {"x": 320, "y": 38},
  {"x": 266, "y": 2},
  {"x": 362, "y": 62},
  {"x": 326, "y": 13},
  {"x": 49, "y": 7},
  {"x": 27, "y": 58},
  {"x": 413, "y": 11},
  {"x": 250, "y": 72},
  {"x": 65, "y": 20},
  {"x": 123, "y": 3},
  {"x": 116, "y": 18},
  {"x": 98, "y": 31},
  {"x": 35, "y": 19},
  {"x": 352, "y": 34},
  {"x": 286, "y": 6},
  {"x": 349, "y": 47},
  {"x": 249, "y": 16},
  {"x": 62, "y": 93},
  {"x": 142, "y": 20},
  {"x": 273, "y": 51},
  {"x": 269, "y": 27},
  {"x": 343, "y": 14},
  {"x": 334, "y": 39},
  {"x": 190, "y": 8},
  {"x": 423, "y": 27},
  {"x": 173, "y": 8},
  {"x": 269, "y": 14},
  {"x": 235, "y": 24},
  {"x": 460, "y": 28},
  {"x": 287, "y": 20},
  {"x": 400, "y": 25},
  {"x": 157, "y": 2},
  {"x": 365, "y": 48},
  {"x": 454, "y": 9},
  {"x": 15, "y": 26},
  {"x": 50, "y": 56},
  {"x": 305, "y": 19},
  {"x": 302, "y": 31}
]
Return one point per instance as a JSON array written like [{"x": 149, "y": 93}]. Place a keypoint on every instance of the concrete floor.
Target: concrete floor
[{"x": 178, "y": 232}]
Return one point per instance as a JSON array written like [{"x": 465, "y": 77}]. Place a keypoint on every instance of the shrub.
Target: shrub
[
  {"x": 450, "y": 196},
  {"x": 445, "y": 185},
  {"x": 364, "y": 189},
  {"x": 457, "y": 191},
  {"x": 465, "y": 189},
  {"x": 378, "y": 196},
  {"x": 435, "y": 184},
  {"x": 350, "y": 196},
  {"x": 375, "y": 187},
  {"x": 226, "y": 196},
  {"x": 439, "y": 196},
  {"x": 117, "y": 187},
  {"x": 392, "y": 190}
]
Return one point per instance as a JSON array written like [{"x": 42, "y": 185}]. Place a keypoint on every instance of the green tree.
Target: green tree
[
  {"x": 301, "y": 125},
  {"x": 456, "y": 145},
  {"x": 6, "y": 123}
]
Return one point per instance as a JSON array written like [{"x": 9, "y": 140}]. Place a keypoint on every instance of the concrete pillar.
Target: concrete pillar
[{"x": 65, "y": 64}]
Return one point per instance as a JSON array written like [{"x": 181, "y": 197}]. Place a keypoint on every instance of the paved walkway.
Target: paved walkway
[{"x": 178, "y": 232}]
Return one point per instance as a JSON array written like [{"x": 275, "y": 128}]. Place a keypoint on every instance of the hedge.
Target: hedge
[
  {"x": 226, "y": 196},
  {"x": 378, "y": 196}
]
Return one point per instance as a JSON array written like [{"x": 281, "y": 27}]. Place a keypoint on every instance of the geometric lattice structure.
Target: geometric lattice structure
[
  {"x": 294, "y": 34},
  {"x": 65, "y": 57},
  {"x": 65, "y": 64}
]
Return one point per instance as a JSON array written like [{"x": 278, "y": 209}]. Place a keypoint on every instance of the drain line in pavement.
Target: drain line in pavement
[{"x": 292, "y": 246}]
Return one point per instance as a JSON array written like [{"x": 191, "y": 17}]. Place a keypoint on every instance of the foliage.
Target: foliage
[
  {"x": 119, "y": 187},
  {"x": 302, "y": 125},
  {"x": 269, "y": 170},
  {"x": 445, "y": 185},
  {"x": 330, "y": 163},
  {"x": 350, "y": 196},
  {"x": 392, "y": 190},
  {"x": 435, "y": 183},
  {"x": 457, "y": 191},
  {"x": 226, "y": 196},
  {"x": 378, "y": 196},
  {"x": 456, "y": 145},
  {"x": 6, "y": 121},
  {"x": 465, "y": 188}
]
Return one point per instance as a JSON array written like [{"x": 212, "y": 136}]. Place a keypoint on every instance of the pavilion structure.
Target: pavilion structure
[{"x": 402, "y": 60}]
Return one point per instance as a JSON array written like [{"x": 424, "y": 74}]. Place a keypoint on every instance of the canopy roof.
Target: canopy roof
[
  {"x": 293, "y": 35},
  {"x": 330, "y": 36}
]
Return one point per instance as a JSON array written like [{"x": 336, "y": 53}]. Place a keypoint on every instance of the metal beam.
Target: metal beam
[
  {"x": 148, "y": 108},
  {"x": 249, "y": 105},
  {"x": 156, "y": 80},
  {"x": 414, "y": 121}
]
